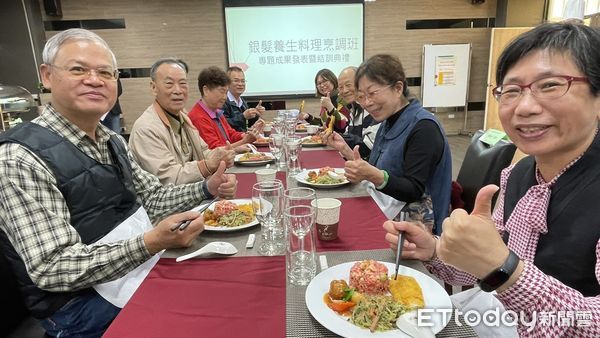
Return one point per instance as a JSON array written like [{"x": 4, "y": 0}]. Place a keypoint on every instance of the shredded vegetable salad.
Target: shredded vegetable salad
[{"x": 229, "y": 214}]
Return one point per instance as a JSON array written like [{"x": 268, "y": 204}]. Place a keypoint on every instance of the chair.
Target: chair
[{"x": 481, "y": 166}]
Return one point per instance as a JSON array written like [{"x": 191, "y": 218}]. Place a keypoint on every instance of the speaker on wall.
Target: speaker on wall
[{"x": 52, "y": 7}]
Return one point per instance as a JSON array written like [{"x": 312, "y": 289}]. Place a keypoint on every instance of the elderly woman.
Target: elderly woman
[
  {"x": 326, "y": 88},
  {"x": 207, "y": 115},
  {"x": 540, "y": 249},
  {"x": 410, "y": 160}
]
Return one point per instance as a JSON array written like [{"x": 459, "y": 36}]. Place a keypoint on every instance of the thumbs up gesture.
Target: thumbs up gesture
[
  {"x": 221, "y": 184},
  {"x": 471, "y": 242},
  {"x": 326, "y": 102},
  {"x": 358, "y": 169}
]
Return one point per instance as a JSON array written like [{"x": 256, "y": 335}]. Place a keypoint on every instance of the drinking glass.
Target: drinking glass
[
  {"x": 301, "y": 265},
  {"x": 276, "y": 147},
  {"x": 293, "y": 147},
  {"x": 268, "y": 203}
]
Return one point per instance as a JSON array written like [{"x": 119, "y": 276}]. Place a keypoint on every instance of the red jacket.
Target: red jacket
[{"x": 209, "y": 129}]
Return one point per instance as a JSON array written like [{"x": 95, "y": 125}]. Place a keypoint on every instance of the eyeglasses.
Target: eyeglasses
[
  {"x": 239, "y": 81},
  {"x": 362, "y": 97},
  {"x": 79, "y": 72},
  {"x": 547, "y": 88},
  {"x": 319, "y": 84}
]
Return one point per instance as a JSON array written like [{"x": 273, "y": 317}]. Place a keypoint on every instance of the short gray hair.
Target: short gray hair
[
  {"x": 170, "y": 61},
  {"x": 74, "y": 34}
]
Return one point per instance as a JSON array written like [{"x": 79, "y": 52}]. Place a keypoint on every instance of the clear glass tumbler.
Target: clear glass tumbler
[{"x": 268, "y": 204}]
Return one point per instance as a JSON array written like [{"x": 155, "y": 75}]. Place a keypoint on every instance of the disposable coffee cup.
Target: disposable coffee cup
[
  {"x": 266, "y": 174},
  {"x": 267, "y": 129},
  {"x": 328, "y": 218}
]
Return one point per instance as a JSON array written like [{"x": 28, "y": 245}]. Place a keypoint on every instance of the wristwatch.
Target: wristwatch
[{"x": 499, "y": 276}]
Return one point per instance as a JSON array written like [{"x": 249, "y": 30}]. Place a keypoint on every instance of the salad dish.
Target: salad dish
[
  {"x": 312, "y": 141},
  {"x": 325, "y": 177},
  {"x": 254, "y": 159},
  {"x": 362, "y": 299},
  {"x": 229, "y": 215}
]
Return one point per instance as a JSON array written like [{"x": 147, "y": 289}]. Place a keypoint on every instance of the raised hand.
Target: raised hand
[
  {"x": 215, "y": 156},
  {"x": 221, "y": 184},
  {"x": 259, "y": 108},
  {"x": 326, "y": 102},
  {"x": 358, "y": 169},
  {"x": 471, "y": 242}
]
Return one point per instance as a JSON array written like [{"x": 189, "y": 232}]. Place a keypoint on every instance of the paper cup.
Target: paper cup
[
  {"x": 328, "y": 217},
  {"x": 267, "y": 129},
  {"x": 266, "y": 174},
  {"x": 311, "y": 129}
]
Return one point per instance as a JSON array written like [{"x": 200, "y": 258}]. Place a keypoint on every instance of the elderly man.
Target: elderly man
[
  {"x": 76, "y": 212},
  {"x": 236, "y": 110},
  {"x": 361, "y": 128},
  {"x": 163, "y": 139}
]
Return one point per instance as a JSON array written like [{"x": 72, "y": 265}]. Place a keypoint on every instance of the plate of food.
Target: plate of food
[
  {"x": 262, "y": 141},
  {"x": 325, "y": 177},
  {"x": 301, "y": 128},
  {"x": 312, "y": 141},
  {"x": 254, "y": 159},
  {"x": 361, "y": 299},
  {"x": 229, "y": 215}
]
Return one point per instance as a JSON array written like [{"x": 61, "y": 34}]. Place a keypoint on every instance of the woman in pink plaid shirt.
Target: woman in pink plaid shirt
[{"x": 540, "y": 249}]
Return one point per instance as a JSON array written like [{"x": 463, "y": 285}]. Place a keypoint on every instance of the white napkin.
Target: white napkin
[{"x": 476, "y": 300}]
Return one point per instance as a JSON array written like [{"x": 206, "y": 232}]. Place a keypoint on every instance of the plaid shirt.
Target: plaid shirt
[
  {"x": 35, "y": 216},
  {"x": 534, "y": 291}
]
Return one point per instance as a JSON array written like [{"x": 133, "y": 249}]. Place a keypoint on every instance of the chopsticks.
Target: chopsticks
[
  {"x": 400, "y": 244},
  {"x": 184, "y": 224}
]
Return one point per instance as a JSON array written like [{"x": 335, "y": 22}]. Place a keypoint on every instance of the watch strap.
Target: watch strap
[{"x": 499, "y": 276}]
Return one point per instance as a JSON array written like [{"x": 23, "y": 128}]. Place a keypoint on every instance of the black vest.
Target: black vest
[
  {"x": 99, "y": 197},
  {"x": 567, "y": 251}
]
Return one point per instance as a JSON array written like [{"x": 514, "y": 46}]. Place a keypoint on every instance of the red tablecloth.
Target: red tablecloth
[
  {"x": 247, "y": 180},
  {"x": 231, "y": 297},
  {"x": 321, "y": 158},
  {"x": 360, "y": 227}
]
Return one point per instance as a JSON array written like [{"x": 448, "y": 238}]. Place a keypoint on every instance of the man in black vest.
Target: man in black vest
[{"x": 76, "y": 211}]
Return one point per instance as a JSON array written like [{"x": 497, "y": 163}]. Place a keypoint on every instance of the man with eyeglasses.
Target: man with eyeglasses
[
  {"x": 76, "y": 211},
  {"x": 163, "y": 139},
  {"x": 236, "y": 110}
]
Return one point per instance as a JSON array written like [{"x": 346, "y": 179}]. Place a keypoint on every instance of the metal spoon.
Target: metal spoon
[{"x": 221, "y": 248}]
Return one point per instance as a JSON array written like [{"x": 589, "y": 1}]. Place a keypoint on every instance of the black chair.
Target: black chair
[{"x": 481, "y": 166}]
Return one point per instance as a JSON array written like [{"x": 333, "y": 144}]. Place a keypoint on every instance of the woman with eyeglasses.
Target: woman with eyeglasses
[
  {"x": 326, "y": 88},
  {"x": 540, "y": 248},
  {"x": 410, "y": 160}
]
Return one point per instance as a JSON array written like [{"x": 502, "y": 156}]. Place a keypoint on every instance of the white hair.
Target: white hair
[{"x": 74, "y": 34}]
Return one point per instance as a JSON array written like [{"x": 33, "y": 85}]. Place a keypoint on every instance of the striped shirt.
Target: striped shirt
[{"x": 35, "y": 216}]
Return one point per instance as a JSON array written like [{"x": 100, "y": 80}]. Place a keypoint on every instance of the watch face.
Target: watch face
[{"x": 494, "y": 280}]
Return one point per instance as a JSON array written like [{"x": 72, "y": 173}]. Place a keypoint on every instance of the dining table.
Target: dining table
[{"x": 246, "y": 294}]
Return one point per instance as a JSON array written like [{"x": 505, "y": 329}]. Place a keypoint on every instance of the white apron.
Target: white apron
[
  {"x": 119, "y": 291},
  {"x": 390, "y": 206}
]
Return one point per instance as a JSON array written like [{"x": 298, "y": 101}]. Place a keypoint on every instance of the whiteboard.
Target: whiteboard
[{"x": 445, "y": 76}]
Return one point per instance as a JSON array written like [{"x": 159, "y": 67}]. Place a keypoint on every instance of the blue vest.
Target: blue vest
[
  {"x": 388, "y": 154},
  {"x": 99, "y": 197}
]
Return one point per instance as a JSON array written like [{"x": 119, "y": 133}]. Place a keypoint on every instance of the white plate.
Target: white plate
[
  {"x": 253, "y": 163},
  {"x": 228, "y": 229},
  {"x": 434, "y": 294},
  {"x": 302, "y": 177}
]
